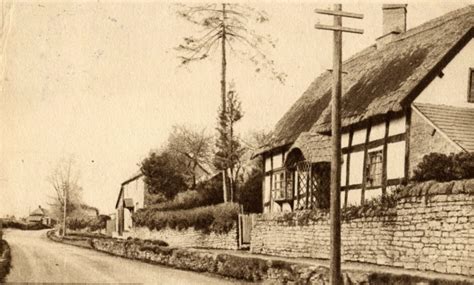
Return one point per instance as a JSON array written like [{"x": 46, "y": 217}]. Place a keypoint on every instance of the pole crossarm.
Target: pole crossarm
[
  {"x": 339, "y": 13},
  {"x": 339, "y": 28}
]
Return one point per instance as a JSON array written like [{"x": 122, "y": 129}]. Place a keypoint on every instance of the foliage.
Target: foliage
[
  {"x": 192, "y": 149},
  {"x": 163, "y": 174},
  {"x": 5, "y": 260},
  {"x": 91, "y": 223},
  {"x": 208, "y": 192},
  {"x": 227, "y": 25},
  {"x": 229, "y": 150},
  {"x": 442, "y": 167},
  {"x": 216, "y": 218},
  {"x": 250, "y": 192},
  {"x": 16, "y": 224}
]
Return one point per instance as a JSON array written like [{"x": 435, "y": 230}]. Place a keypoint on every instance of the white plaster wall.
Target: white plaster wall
[
  {"x": 136, "y": 191},
  {"x": 345, "y": 140},
  {"x": 452, "y": 88},
  {"x": 396, "y": 160},
  {"x": 343, "y": 169},
  {"x": 397, "y": 126},
  {"x": 377, "y": 131},
  {"x": 359, "y": 136},
  {"x": 268, "y": 165},
  {"x": 356, "y": 166},
  {"x": 266, "y": 190},
  {"x": 277, "y": 160},
  {"x": 372, "y": 193},
  {"x": 354, "y": 197}
]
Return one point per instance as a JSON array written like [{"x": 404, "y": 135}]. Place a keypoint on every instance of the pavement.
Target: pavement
[{"x": 35, "y": 258}]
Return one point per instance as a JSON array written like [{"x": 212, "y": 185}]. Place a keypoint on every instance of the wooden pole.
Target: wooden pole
[
  {"x": 335, "y": 277},
  {"x": 335, "y": 216}
]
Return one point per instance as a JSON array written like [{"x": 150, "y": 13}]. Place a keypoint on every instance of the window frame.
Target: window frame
[
  {"x": 371, "y": 177},
  {"x": 470, "y": 94}
]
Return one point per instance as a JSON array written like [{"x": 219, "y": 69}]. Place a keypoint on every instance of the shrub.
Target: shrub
[
  {"x": 15, "y": 224},
  {"x": 91, "y": 223},
  {"x": 216, "y": 218},
  {"x": 207, "y": 193},
  {"x": 441, "y": 167}
]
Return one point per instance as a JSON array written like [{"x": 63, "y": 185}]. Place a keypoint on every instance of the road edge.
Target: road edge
[
  {"x": 5, "y": 260},
  {"x": 248, "y": 268}
]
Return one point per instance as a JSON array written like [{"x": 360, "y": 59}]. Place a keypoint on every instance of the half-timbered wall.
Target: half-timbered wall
[
  {"x": 373, "y": 159},
  {"x": 273, "y": 169}
]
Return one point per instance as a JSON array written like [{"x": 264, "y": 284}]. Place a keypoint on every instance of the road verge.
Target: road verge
[
  {"x": 250, "y": 268},
  {"x": 5, "y": 260}
]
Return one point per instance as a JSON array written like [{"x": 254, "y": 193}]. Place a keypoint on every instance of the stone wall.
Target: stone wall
[
  {"x": 424, "y": 139},
  {"x": 430, "y": 228},
  {"x": 188, "y": 237}
]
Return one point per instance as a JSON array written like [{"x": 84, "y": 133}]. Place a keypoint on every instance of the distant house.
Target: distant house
[
  {"x": 131, "y": 198},
  {"x": 40, "y": 216},
  {"x": 409, "y": 94}
]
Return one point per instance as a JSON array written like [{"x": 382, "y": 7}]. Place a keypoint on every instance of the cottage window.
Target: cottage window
[
  {"x": 470, "y": 89},
  {"x": 279, "y": 185},
  {"x": 374, "y": 168}
]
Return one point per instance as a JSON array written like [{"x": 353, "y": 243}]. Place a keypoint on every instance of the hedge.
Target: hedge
[
  {"x": 14, "y": 224},
  {"x": 5, "y": 260},
  {"x": 216, "y": 218},
  {"x": 442, "y": 167},
  {"x": 206, "y": 193}
]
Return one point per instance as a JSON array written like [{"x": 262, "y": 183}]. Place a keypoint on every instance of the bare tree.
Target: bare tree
[
  {"x": 193, "y": 149},
  {"x": 227, "y": 26},
  {"x": 64, "y": 180}
]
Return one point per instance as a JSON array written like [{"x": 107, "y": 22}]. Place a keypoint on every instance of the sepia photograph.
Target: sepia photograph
[{"x": 241, "y": 142}]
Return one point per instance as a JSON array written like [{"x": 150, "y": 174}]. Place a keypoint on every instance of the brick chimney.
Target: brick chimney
[{"x": 394, "y": 23}]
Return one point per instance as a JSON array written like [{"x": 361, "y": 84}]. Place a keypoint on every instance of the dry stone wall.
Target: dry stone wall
[
  {"x": 189, "y": 237},
  {"x": 431, "y": 228}
]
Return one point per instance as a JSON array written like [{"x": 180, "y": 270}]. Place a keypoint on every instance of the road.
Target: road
[{"x": 35, "y": 258}]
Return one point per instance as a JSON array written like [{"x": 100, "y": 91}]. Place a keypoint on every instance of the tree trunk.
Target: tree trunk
[
  {"x": 223, "y": 90},
  {"x": 224, "y": 62}
]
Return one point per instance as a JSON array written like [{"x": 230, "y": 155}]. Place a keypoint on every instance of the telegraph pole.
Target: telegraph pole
[{"x": 335, "y": 210}]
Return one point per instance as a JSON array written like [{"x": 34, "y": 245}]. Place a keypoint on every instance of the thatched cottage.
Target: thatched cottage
[{"x": 409, "y": 94}]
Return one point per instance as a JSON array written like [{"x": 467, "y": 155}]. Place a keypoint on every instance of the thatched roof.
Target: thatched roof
[
  {"x": 315, "y": 147},
  {"x": 388, "y": 79},
  {"x": 379, "y": 80},
  {"x": 456, "y": 122}
]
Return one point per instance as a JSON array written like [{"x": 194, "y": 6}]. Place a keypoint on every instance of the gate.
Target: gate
[{"x": 245, "y": 230}]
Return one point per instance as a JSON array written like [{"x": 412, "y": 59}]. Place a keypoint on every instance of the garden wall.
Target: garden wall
[
  {"x": 431, "y": 228},
  {"x": 188, "y": 237}
]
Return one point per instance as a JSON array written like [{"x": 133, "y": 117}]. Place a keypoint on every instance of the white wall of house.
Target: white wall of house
[
  {"x": 451, "y": 89},
  {"x": 272, "y": 162},
  {"x": 395, "y": 158},
  {"x": 136, "y": 191}
]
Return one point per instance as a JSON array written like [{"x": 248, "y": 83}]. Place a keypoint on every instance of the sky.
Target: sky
[{"x": 100, "y": 81}]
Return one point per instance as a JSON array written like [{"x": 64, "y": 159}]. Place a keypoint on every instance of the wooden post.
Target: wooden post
[
  {"x": 385, "y": 156},
  {"x": 335, "y": 277},
  {"x": 335, "y": 265},
  {"x": 348, "y": 166}
]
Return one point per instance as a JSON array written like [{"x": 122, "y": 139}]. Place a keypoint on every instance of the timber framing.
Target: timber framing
[
  {"x": 390, "y": 182},
  {"x": 375, "y": 143},
  {"x": 348, "y": 166},
  {"x": 364, "y": 164},
  {"x": 385, "y": 155}
]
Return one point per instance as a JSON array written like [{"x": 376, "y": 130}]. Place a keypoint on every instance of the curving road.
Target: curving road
[{"x": 37, "y": 259}]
